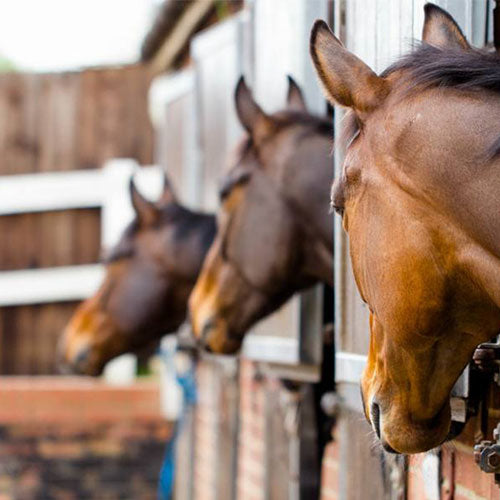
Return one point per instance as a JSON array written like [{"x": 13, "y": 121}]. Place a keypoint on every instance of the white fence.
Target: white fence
[{"x": 105, "y": 188}]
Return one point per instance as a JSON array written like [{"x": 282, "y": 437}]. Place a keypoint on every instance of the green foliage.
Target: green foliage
[
  {"x": 6, "y": 65},
  {"x": 222, "y": 9}
]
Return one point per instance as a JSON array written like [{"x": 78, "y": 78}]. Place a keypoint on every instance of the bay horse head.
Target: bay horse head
[
  {"x": 274, "y": 234},
  {"x": 149, "y": 276},
  {"x": 419, "y": 197}
]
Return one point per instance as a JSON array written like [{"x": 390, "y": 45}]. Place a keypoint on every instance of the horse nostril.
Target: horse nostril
[
  {"x": 375, "y": 414},
  {"x": 81, "y": 357},
  {"x": 207, "y": 327}
]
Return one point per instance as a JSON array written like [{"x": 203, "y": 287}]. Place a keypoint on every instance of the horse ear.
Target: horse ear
[
  {"x": 347, "y": 80},
  {"x": 441, "y": 30},
  {"x": 168, "y": 193},
  {"x": 147, "y": 213},
  {"x": 295, "y": 99},
  {"x": 250, "y": 114}
]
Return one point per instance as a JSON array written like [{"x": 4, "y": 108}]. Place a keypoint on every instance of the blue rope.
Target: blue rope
[{"x": 187, "y": 382}]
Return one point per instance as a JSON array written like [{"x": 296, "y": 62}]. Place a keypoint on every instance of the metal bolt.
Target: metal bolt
[
  {"x": 330, "y": 403},
  {"x": 496, "y": 432},
  {"x": 478, "y": 449},
  {"x": 493, "y": 459}
]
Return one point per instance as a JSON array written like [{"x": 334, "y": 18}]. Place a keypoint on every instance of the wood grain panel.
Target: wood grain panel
[{"x": 61, "y": 122}]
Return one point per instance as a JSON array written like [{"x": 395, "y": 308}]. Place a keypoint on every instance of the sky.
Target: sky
[{"x": 53, "y": 35}]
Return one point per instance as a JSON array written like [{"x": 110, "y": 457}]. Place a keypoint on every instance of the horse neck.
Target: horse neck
[
  {"x": 474, "y": 208},
  {"x": 200, "y": 231}
]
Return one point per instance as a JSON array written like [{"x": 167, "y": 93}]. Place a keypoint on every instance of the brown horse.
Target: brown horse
[
  {"x": 419, "y": 194},
  {"x": 149, "y": 276},
  {"x": 274, "y": 234}
]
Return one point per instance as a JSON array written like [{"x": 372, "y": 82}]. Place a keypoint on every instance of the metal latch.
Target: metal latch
[
  {"x": 486, "y": 357},
  {"x": 487, "y": 455}
]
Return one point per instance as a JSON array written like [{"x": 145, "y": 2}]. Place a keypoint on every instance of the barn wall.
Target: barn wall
[
  {"x": 60, "y": 122},
  {"x": 251, "y": 480}
]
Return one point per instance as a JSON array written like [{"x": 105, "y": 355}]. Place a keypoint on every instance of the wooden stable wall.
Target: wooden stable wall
[{"x": 60, "y": 122}]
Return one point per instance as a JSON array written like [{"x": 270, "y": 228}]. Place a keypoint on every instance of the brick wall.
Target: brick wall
[
  {"x": 460, "y": 477},
  {"x": 251, "y": 443},
  {"x": 329, "y": 473},
  {"x": 452, "y": 471},
  {"x": 206, "y": 433},
  {"x": 78, "y": 439}
]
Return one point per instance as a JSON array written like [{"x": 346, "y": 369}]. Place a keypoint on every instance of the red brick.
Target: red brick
[{"x": 75, "y": 399}]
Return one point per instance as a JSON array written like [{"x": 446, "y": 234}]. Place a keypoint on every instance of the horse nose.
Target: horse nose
[
  {"x": 375, "y": 416},
  {"x": 80, "y": 360},
  {"x": 205, "y": 331}
]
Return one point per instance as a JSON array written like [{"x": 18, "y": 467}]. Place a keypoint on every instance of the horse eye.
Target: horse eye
[
  {"x": 228, "y": 185},
  {"x": 339, "y": 210},
  {"x": 353, "y": 138},
  {"x": 337, "y": 198},
  {"x": 224, "y": 192}
]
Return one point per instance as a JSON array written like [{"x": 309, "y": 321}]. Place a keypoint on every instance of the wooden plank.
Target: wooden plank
[
  {"x": 54, "y": 122},
  {"x": 180, "y": 35},
  {"x": 87, "y": 118}
]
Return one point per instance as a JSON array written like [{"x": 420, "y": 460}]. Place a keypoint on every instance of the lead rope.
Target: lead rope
[{"x": 185, "y": 377}]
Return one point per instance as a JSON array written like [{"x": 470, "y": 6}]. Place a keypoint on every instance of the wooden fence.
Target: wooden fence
[{"x": 60, "y": 122}]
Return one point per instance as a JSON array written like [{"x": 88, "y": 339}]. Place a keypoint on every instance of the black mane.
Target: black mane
[
  {"x": 429, "y": 66},
  {"x": 319, "y": 124}
]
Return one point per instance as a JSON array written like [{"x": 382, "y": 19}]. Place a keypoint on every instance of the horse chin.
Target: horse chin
[
  {"x": 83, "y": 369},
  {"x": 409, "y": 437},
  {"x": 225, "y": 345}
]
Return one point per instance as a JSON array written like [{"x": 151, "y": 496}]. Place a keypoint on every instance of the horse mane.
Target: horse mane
[
  {"x": 315, "y": 123},
  {"x": 430, "y": 66}
]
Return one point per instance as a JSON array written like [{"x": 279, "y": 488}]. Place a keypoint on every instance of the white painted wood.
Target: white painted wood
[
  {"x": 37, "y": 286},
  {"x": 121, "y": 370},
  {"x": 106, "y": 188},
  {"x": 269, "y": 348},
  {"x": 171, "y": 397},
  {"x": 165, "y": 89},
  {"x": 407, "y": 40},
  {"x": 117, "y": 209},
  {"x": 349, "y": 367},
  {"x": 172, "y": 108},
  {"x": 431, "y": 472},
  {"x": 277, "y": 56},
  {"x": 418, "y": 17},
  {"x": 51, "y": 191},
  {"x": 217, "y": 58}
]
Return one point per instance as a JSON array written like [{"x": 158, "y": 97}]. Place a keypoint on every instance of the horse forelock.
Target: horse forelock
[{"x": 350, "y": 129}]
